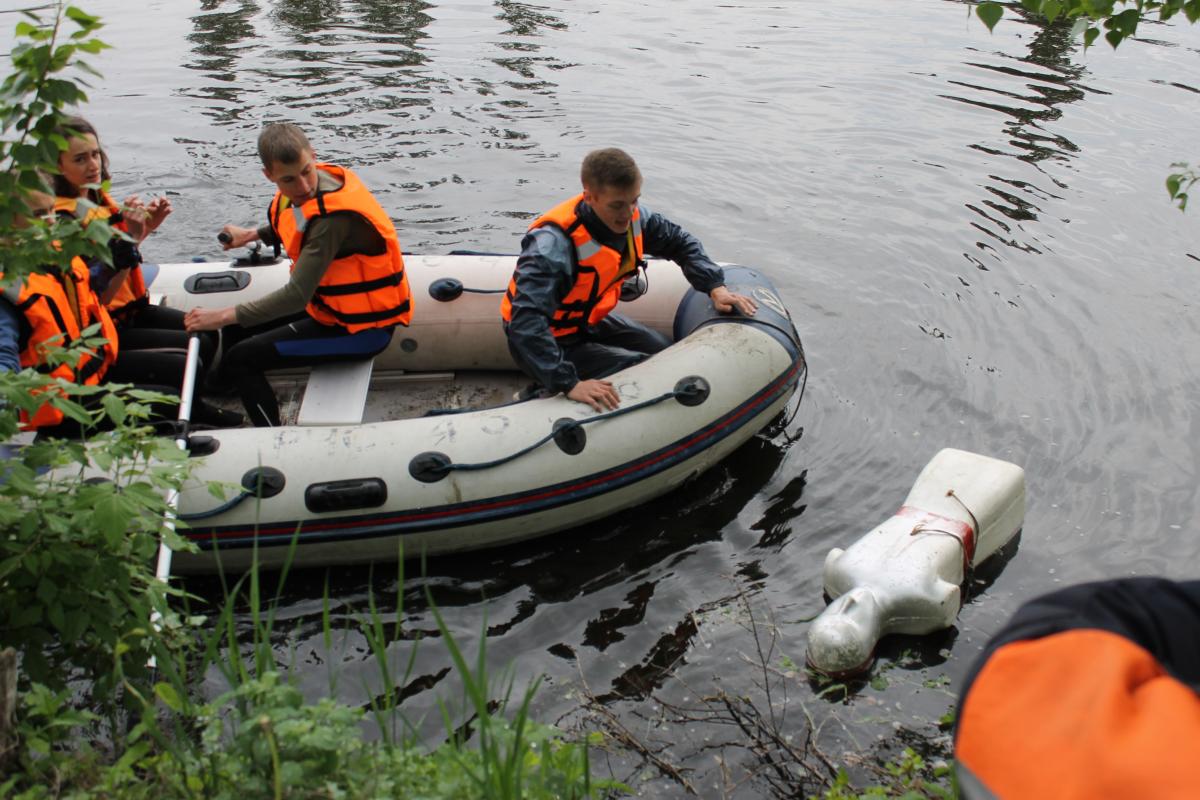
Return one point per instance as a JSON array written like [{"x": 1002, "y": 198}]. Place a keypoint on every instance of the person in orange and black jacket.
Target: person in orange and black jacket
[
  {"x": 1089, "y": 692},
  {"x": 573, "y": 262},
  {"x": 347, "y": 290},
  {"x": 54, "y": 307}
]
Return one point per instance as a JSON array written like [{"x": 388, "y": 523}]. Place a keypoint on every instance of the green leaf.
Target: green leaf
[
  {"x": 115, "y": 408},
  {"x": 92, "y": 46},
  {"x": 73, "y": 410},
  {"x": 76, "y": 14},
  {"x": 1051, "y": 9},
  {"x": 166, "y": 692},
  {"x": 47, "y": 591},
  {"x": 1089, "y": 36},
  {"x": 1127, "y": 21},
  {"x": 989, "y": 13},
  {"x": 1173, "y": 182},
  {"x": 1114, "y": 38},
  {"x": 111, "y": 515},
  {"x": 57, "y": 618}
]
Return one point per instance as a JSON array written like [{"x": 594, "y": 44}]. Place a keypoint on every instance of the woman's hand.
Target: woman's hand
[
  {"x": 141, "y": 219},
  {"x": 158, "y": 210},
  {"x": 134, "y": 212}
]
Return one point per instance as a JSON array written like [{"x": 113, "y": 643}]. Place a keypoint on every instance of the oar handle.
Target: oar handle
[{"x": 188, "y": 390}]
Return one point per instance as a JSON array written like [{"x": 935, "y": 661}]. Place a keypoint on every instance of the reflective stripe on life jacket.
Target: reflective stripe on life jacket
[
  {"x": 43, "y": 301},
  {"x": 599, "y": 271},
  {"x": 357, "y": 291},
  {"x": 132, "y": 294},
  {"x": 1083, "y": 713}
]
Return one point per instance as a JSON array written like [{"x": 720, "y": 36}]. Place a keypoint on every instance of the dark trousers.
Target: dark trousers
[
  {"x": 295, "y": 341},
  {"x": 154, "y": 371},
  {"x": 611, "y": 345},
  {"x": 158, "y": 328}
]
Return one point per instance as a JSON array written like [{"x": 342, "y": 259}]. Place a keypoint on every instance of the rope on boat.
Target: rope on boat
[
  {"x": 431, "y": 467},
  {"x": 212, "y": 512},
  {"x": 261, "y": 482}
]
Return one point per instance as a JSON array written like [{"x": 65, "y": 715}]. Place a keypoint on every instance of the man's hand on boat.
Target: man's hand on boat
[
  {"x": 231, "y": 236},
  {"x": 725, "y": 301},
  {"x": 209, "y": 319},
  {"x": 600, "y": 395}
]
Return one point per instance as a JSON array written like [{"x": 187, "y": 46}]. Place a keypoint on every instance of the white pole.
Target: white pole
[{"x": 163, "y": 571}]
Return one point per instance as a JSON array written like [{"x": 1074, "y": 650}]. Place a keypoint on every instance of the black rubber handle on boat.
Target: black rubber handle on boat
[
  {"x": 431, "y": 467},
  {"x": 445, "y": 290}
]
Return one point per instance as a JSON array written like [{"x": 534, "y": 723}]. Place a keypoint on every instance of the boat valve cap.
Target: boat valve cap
[
  {"x": 692, "y": 390},
  {"x": 446, "y": 289},
  {"x": 429, "y": 467},
  {"x": 263, "y": 482},
  {"x": 570, "y": 436},
  {"x": 202, "y": 446}
]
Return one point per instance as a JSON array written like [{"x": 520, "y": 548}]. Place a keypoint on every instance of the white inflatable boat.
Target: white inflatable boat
[{"x": 424, "y": 448}]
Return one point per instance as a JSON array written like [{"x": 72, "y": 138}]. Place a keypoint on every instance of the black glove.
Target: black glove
[{"x": 125, "y": 254}]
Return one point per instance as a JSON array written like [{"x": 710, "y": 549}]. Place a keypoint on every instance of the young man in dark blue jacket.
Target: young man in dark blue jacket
[{"x": 573, "y": 262}]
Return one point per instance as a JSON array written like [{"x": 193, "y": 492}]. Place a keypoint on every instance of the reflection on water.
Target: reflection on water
[
  {"x": 1029, "y": 98},
  {"x": 969, "y": 228}
]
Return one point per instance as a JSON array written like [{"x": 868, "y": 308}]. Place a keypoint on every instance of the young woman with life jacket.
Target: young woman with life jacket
[{"x": 121, "y": 287}]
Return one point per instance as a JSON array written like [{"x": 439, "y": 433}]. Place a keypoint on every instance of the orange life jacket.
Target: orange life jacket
[
  {"x": 132, "y": 294},
  {"x": 599, "y": 271},
  {"x": 1085, "y": 713},
  {"x": 43, "y": 301},
  {"x": 357, "y": 291}
]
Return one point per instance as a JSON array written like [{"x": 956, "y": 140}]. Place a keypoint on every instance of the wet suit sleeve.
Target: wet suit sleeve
[
  {"x": 328, "y": 238},
  {"x": 543, "y": 279},
  {"x": 665, "y": 239}
]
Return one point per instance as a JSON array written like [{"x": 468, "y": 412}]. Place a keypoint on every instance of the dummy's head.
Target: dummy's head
[
  {"x": 612, "y": 184},
  {"x": 84, "y": 161},
  {"x": 288, "y": 161}
]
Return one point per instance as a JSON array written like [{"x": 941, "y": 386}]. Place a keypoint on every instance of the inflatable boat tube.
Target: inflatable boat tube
[{"x": 424, "y": 451}]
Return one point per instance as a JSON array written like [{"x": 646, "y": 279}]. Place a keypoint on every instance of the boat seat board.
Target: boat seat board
[{"x": 336, "y": 393}]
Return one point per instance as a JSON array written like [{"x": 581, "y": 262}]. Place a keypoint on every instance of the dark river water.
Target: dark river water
[{"x": 971, "y": 232}]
